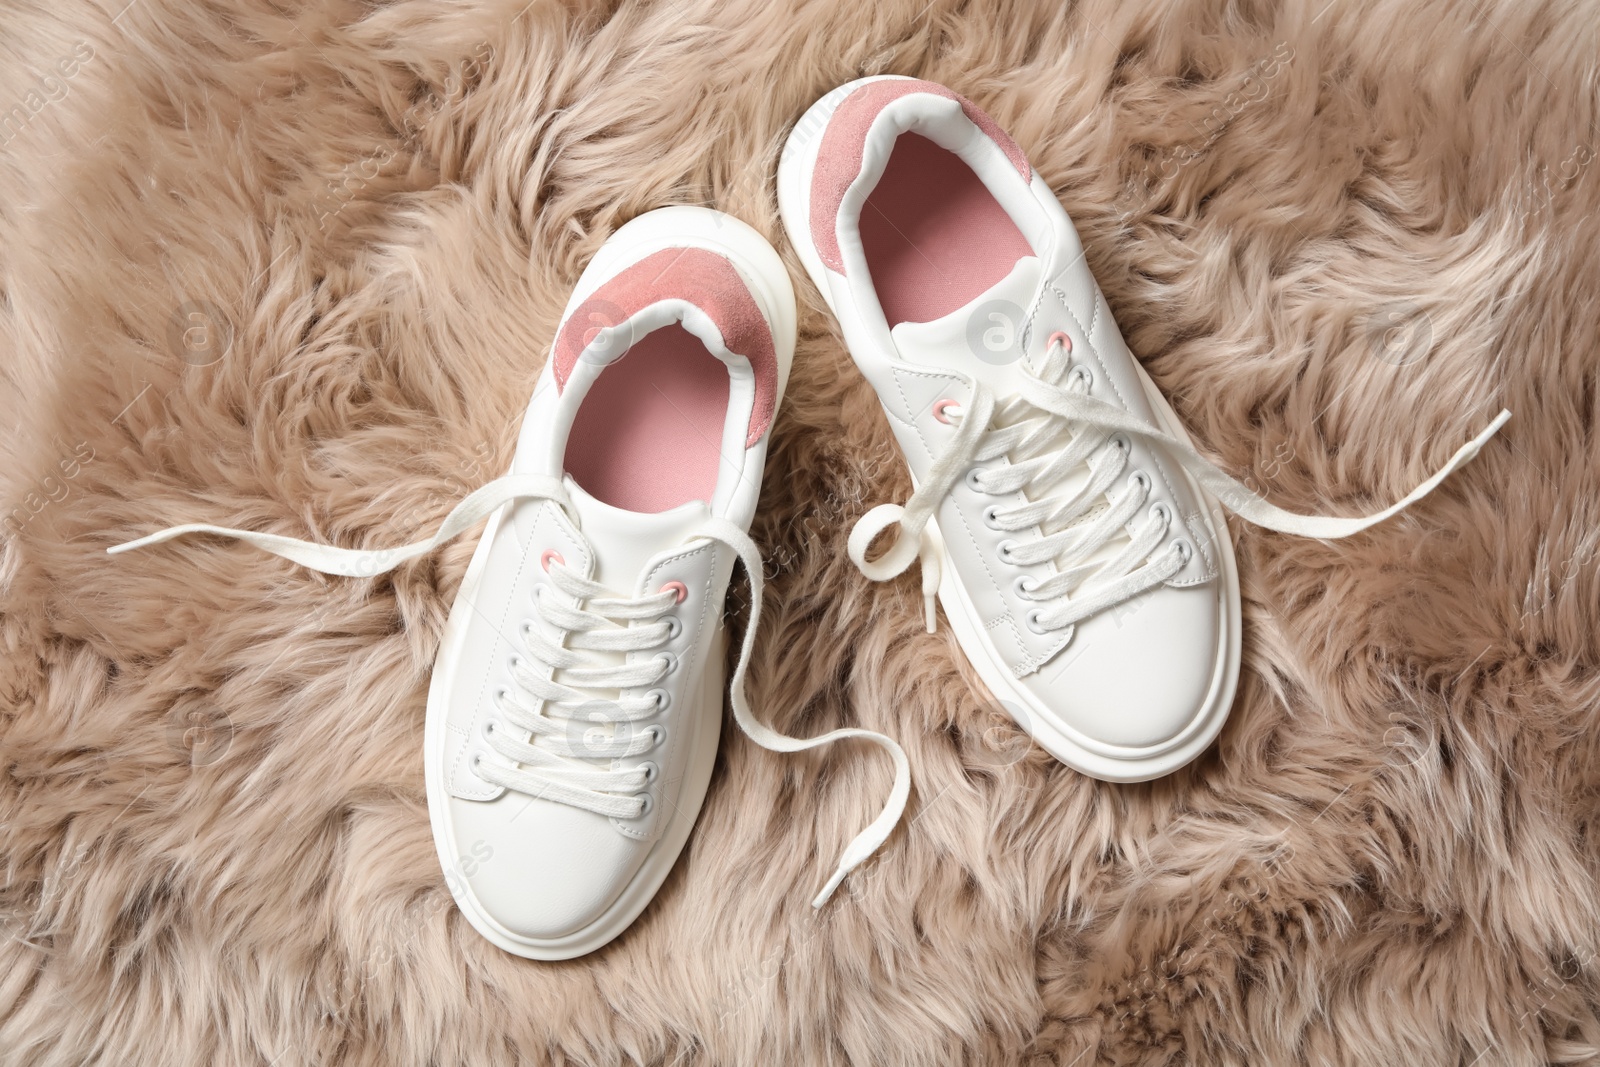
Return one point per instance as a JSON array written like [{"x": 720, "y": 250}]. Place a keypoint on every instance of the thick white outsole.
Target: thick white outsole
[
  {"x": 1094, "y": 758},
  {"x": 762, "y": 268}
]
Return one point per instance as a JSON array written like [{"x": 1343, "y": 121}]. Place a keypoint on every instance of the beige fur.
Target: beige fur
[{"x": 215, "y": 842}]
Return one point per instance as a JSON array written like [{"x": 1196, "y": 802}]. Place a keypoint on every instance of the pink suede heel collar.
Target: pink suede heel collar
[
  {"x": 839, "y": 155},
  {"x": 696, "y": 276}
]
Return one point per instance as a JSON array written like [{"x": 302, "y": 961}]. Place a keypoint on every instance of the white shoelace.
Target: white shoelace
[
  {"x": 551, "y": 766},
  {"x": 1047, "y": 431}
]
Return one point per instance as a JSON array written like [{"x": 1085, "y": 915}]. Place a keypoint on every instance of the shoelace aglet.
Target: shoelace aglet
[
  {"x": 1489, "y": 431},
  {"x": 855, "y": 854},
  {"x": 833, "y": 883},
  {"x": 930, "y": 578}
]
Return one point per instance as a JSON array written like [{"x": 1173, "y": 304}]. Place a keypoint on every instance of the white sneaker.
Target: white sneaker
[
  {"x": 1070, "y": 529},
  {"x": 576, "y": 699}
]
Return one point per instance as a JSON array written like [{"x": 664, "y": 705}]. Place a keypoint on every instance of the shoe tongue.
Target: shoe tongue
[
  {"x": 982, "y": 339},
  {"x": 624, "y": 542}
]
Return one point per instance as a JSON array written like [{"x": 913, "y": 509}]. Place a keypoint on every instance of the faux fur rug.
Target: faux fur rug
[{"x": 296, "y": 267}]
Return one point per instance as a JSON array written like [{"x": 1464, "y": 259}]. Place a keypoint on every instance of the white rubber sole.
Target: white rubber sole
[
  {"x": 763, "y": 270},
  {"x": 1096, "y": 759}
]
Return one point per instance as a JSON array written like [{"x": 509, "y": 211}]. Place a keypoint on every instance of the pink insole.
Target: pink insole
[
  {"x": 648, "y": 436},
  {"x": 934, "y": 237}
]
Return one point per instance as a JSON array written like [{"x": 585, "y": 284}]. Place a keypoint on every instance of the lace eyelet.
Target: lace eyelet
[
  {"x": 990, "y": 518},
  {"x": 662, "y": 698},
  {"x": 941, "y": 409},
  {"x": 646, "y": 805},
  {"x": 1004, "y": 551},
  {"x": 1141, "y": 479},
  {"x": 515, "y": 662},
  {"x": 657, "y": 733},
  {"x": 549, "y": 556},
  {"x": 1024, "y": 586},
  {"x": 477, "y": 761},
  {"x": 499, "y": 695},
  {"x": 1185, "y": 551},
  {"x": 1161, "y": 513},
  {"x": 670, "y": 664},
  {"x": 1123, "y": 444},
  {"x": 677, "y": 588},
  {"x": 1032, "y": 621},
  {"x": 488, "y": 729},
  {"x": 674, "y": 627},
  {"x": 1062, "y": 339},
  {"x": 972, "y": 481},
  {"x": 1084, "y": 375},
  {"x": 651, "y": 772}
]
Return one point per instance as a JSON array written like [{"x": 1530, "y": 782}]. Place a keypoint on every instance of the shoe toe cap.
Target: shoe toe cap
[
  {"x": 538, "y": 869},
  {"x": 1138, "y": 675}
]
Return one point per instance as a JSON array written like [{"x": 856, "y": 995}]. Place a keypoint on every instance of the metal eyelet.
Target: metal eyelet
[
  {"x": 674, "y": 627},
  {"x": 651, "y": 772},
  {"x": 671, "y": 663},
  {"x": 972, "y": 481},
  {"x": 990, "y": 518},
  {"x": 678, "y": 589},
  {"x": 1032, "y": 621},
  {"x": 549, "y": 556},
  {"x": 1024, "y": 586},
  {"x": 1060, "y": 337},
  {"x": 661, "y": 697},
  {"x": 1004, "y": 551},
  {"x": 941, "y": 410}
]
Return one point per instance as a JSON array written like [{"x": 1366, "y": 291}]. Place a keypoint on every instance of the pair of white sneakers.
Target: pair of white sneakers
[{"x": 1069, "y": 529}]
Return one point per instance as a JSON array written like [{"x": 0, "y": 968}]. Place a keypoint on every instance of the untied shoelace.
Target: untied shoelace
[
  {"x": 1050, "y": 428},
  {"x": 554, "y": 773}
]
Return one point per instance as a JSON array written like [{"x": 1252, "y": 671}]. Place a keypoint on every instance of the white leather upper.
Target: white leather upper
[
  {"x": 1126, "y": 682},
  {"x": 555, "y": 869}
]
